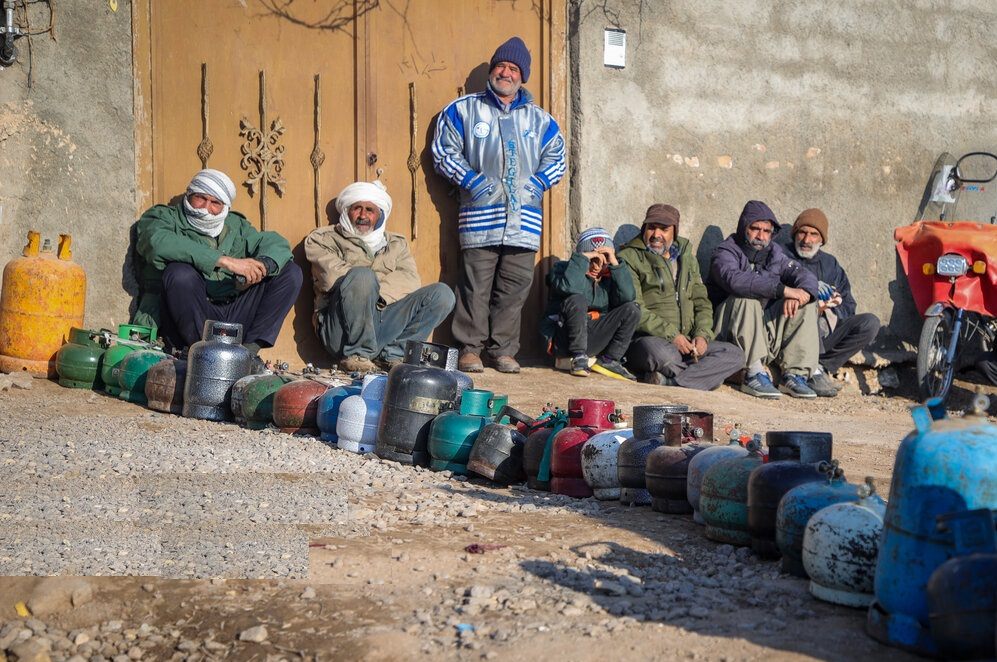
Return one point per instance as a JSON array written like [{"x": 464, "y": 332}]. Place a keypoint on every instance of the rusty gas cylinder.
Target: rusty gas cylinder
[
  {"x": 295, "y": 406},
  {"x": 667, "y": 467},
  {"x": 164, "y": 385}
]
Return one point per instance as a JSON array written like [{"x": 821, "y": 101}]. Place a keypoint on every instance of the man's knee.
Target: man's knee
[
  {"x": 291, "y": 275},
  {"x": 180, "y": 275},
  {"x": 574, "y": 307},
  {"x": 630, "y": 311},
  {"x": 441, "y": 297},
  {"x": 360, "y": 282}
]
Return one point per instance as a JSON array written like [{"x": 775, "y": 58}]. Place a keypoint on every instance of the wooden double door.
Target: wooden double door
[{"x": 297, "y": 99}]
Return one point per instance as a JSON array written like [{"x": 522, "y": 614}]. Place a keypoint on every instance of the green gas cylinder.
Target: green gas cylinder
[
  {"x": 78, "y": 361},
  {"x": 130, "y": 338}
]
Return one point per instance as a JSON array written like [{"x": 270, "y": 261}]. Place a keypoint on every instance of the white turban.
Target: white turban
[
  {"x": 218, "y": 185},
  {"x": 365, "y": 192}
]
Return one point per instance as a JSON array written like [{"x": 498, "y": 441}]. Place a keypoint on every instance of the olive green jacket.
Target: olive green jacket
[
  {"x": 165, "y": 236},
  {"x": 669, "y": 306}
]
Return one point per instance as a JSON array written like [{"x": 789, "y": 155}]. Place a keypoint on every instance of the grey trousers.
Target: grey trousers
[
  {"x": 492, "y": 288},
  {"x": 351, "y": 324},
  {"x": 765, "y": 335},
  {"x": 654, "y": 354}
]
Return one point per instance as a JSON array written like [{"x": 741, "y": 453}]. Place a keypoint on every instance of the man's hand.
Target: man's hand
[
  {"x": 793, "y": 298},
  {"x": 701, "y": 345},
  {"x": 249, "y": 268},
  {"x": 683, "y": 344},
  {"x": 609, "y": 253}
]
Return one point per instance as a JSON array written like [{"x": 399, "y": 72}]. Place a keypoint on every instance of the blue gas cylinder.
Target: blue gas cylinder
[
  {"x": 328, "y": 410},
  {"x": 945, "y": 465}
]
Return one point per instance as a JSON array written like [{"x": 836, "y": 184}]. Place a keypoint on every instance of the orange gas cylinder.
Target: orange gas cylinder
[{"x": 42, "y": 298}]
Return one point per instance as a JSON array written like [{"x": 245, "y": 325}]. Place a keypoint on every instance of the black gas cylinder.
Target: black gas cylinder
[
  {"x": 497, "y": 453},
  {"x": 785, "y": 470},
  {"x": 214, "y": 365},
  {"x": 417, "y": 391}
]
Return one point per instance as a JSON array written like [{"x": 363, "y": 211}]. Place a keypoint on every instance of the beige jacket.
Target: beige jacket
[{"x": 332, "y": 254}]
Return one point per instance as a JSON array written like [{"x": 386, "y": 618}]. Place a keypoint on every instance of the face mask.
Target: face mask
[{"x": 204, "y": 221}]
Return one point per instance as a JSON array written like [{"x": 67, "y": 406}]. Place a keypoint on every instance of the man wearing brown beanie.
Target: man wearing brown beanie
[
  {"x": 674, "y": 344},
  {"x": 842, "y": 331}
]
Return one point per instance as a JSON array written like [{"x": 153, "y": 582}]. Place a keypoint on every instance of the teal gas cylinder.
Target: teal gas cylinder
[
  {"x": 133, "y": 372},
  {"x": 723, "y": 497},
  {"x": 78, "y": 361},
  {"x": 703, "y": 461},
  {"x": 452, "y": 433},
  {"x": 945, "y": 465}
]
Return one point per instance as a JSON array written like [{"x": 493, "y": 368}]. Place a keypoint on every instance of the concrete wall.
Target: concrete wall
[
  {"x": 843, "y": 106},
  {"x": 67, "y": 158}
]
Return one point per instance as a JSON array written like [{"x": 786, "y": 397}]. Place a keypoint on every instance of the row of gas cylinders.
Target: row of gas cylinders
[{"x": 925, "y": 563}]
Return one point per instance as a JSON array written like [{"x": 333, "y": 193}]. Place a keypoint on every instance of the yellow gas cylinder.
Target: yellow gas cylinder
[{"x": 42, "y": 298}]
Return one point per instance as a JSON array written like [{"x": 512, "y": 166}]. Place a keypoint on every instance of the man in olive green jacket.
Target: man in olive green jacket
[
  {"x": 674, "y": 343},
  {"x": 201, "y": 261}
]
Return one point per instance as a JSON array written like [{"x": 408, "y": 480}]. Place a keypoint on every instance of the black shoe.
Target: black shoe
[{"x": 658, "y": 379}]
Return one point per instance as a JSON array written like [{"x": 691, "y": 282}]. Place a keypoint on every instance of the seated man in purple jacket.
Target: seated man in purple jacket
[{"x": 764, "y": 304}]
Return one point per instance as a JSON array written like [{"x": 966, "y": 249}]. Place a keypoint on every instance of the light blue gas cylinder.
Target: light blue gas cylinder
[{"x": 945, "y": 465}]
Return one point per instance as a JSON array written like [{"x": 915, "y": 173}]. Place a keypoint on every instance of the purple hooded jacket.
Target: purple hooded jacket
[{"x": 737, "y": 269}]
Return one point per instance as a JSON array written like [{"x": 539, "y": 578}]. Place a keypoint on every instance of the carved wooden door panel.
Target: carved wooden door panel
[{"x": 295, "y": 100}]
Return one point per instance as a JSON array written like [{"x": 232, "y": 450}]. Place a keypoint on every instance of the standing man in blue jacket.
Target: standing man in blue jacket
[
  {"x": 766, "y": 306},
  {"x": 503, "y": 152}
]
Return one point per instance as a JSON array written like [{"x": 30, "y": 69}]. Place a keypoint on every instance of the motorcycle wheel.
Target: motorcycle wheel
[{"x": 934, "y": 372}]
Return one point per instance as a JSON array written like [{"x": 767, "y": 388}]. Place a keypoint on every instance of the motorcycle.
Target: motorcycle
[{"x": 949, "y": 254}]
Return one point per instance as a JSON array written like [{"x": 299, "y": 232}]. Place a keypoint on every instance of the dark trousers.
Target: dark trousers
[
  {"x": 352, "y": 325},
  {"x": 492, "y": 288},
  {"x": 850, "y": 335},
  {"x": 260, "y": 309},
  {"x": 654, "y": 354},
  {"x": 608, "y": 335}
]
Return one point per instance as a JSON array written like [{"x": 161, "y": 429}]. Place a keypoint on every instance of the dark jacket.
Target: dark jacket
[
  {"x": 165, "y": 236},
  {"x": 571, "y": 277},
  {"x": 669, "y": 306},
  {"x": 737, "y": 269},
  {"x": 827, "y": 269}
]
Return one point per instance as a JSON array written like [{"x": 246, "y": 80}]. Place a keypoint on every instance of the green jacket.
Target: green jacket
[
  {"x": 667, "y": 308},
  {"x": 571, "y": 277},
  {"x": 165, "y": 236}
]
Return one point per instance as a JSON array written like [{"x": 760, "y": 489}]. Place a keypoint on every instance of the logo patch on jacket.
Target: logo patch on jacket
[{"x": 481, "y": 130}]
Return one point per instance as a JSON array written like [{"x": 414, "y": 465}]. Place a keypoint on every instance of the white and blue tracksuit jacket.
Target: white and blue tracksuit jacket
[{"x": 503, "y": 160}]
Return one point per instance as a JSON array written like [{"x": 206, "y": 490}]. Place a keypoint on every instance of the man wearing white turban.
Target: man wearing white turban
[
  {"x": 202, "y": 261},
  {"x": 369, "y": 299}
]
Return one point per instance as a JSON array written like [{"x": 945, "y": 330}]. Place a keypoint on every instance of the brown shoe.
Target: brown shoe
[
  {"x": 356, "y": 363},
  {"x": 470, "y": 362},
  {"x": 506, "y": 364}
]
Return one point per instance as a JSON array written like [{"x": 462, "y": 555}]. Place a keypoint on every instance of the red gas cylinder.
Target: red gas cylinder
[
  {"x": 586, "y": 418},
  {"x": 295, "y": 406}
]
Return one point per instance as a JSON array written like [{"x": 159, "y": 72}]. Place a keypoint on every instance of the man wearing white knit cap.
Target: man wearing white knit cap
[
  {"x": 204, "y": 261},
  {"x": 369, "y": 299}
]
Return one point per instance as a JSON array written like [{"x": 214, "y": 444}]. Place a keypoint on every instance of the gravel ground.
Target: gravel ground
[{"x": 92, "y": 487}]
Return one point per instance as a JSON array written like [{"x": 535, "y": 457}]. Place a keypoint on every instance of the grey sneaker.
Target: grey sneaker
[
  {"x": 760, "y": 385},
  {"x": 796, "y": 386},
  {"x": 822, "y": 385},
  {"x": 657, "y": 378}
]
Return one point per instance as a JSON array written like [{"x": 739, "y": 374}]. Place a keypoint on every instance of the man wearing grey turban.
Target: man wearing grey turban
[
  {"x": 369, "y": 299},
  {"x": 202, "y": 261}
]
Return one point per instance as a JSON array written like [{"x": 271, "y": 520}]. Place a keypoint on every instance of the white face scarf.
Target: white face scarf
[
  {"x": 365, "y": 192},
  {"x": 218, "y": 185}
]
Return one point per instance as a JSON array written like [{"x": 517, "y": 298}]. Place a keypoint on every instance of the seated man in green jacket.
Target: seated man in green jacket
[
  {"x": 203, "y": 261},
  {"x": 674, "y": 344},
  {"x": 591, "y": 309}
]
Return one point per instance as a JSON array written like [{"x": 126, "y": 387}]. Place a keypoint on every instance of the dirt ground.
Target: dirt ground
[{"x": 376, "y": 597}]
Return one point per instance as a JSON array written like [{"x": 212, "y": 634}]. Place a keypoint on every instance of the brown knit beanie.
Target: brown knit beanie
[
  {"x": 662, "y": 214},
  {"x": 814, "y": 218}
]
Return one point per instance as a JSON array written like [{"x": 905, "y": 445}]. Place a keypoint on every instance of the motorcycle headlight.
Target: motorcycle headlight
[{"x": 951, "y": 264}]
